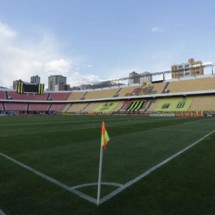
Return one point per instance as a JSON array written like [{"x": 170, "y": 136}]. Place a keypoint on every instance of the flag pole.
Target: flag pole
[{"x": 100, "y": 175}]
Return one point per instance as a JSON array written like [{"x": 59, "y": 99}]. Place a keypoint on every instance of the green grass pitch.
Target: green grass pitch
[{"x": 66, "y": 148}]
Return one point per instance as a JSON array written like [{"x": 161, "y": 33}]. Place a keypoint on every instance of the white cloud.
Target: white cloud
[
  {"x": 6, "y": 32},
  {"x": 58, "y": 66},
  {"x": 40, "y": 55},
  {"x": 118, "y": 73},
  {"x": 157, "y": 29},
  {"x": 79, "y": 79}
]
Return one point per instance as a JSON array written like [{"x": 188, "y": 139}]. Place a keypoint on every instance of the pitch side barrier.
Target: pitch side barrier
[
  {"x": 178, "y": 115},
  {"x": 209, "y": 115}
]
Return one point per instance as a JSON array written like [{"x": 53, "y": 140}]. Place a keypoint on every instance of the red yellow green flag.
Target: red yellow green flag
[{"x": 104, "y": 137}]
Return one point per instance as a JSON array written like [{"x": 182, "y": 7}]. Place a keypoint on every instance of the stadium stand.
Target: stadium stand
[
  {"x": 58, "y": 96},
  {"x": 76, "y": 108},
  {"x": 15, "y": 106},
  {"x": 159, "y": 87},
  {"x": 38, "y": 107},
  {"x": 101, "y": 93},
  {"x": 91, "y": 107},
  {"x": 107, "y": 107},
  {"x": 57, "y": 107},
  {"x": 15, "y": 96},
  {"x": 146, "y": 98},
  {"x": 146, "y": 105},
  {"x": 125, "y": 106},
  {"x": 2, "y": 95},
  {"x": 203, "y": 103},
  {"x": 172, "y": 104},
  {"x": 125, "y": 91},
  {"x": 77, "y": 95},
  {"x": 1, "y": 107},
  {"x": 197, "y": 84},
  {"x": 135, "y": 106}
]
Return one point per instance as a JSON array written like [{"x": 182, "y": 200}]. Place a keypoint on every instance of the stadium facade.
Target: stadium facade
[{"x": 185, "y": 96}]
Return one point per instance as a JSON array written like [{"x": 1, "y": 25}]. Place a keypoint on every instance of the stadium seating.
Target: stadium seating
[
  {"x": 1, "y": 107},
  {"x": 135, "y": 106},
  {"x": 38, "y": 107},
  {"x": 76, "y": 108},
  {"x": 158, "y": 87},
  {"x": 57, "y": 107},
  {"x": 107, "y": 107},
  {"x": 101, "y": 93},
  {"x": 16, "y": 106},
  {"x": 77, "y": 95},
  {"x": 145, "y": 105},
  {"x": 125, "y": 91},
  {"x": 15, "y": 96},
  {"x": 203, "y": 103},
  {"x": 192, "y": 85},
  {"x": 172, "y": 104},
  {"x": 2, "y": 95},
  {"x": 125, "y": 106},
  {"x": 58, "y": 96},
  {"x": 91, "y": 107}
]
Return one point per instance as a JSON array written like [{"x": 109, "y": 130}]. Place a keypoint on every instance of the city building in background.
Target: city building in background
[
  {"x": 15, "y": 84},
  {"x": 136, "y": 78},
  {"x": 35, "y": 79},
  {"x": 192, "y": 68},
  {"x": 57, "y": 83}
]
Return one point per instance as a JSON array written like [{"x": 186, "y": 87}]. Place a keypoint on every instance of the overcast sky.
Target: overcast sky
[{"x": 94, "y": 40}]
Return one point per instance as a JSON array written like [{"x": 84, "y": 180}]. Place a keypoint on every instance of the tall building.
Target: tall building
[
  {"x": 15, "y": 84},
  {"x": 56, "y": 83},
  {"x": 35, "y": 79},
  {"x": 136, "y": 78},
  {"x": 192, "y": 68}
]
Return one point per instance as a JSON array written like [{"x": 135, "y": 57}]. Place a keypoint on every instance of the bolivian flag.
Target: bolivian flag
[{"x": 104, "y": 137}]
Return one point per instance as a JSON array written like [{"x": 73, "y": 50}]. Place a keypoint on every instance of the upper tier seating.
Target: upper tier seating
[
  {"x": 192, "y": 85},
  {"x": 158, "y": 87},
  {"x": 16, "y": 96},
  {"x": 103, "y": 93},
  {"x": 58, "y": 96},
  {"x": 126, "y": 90},
  {"x": 76, "y": 95}
]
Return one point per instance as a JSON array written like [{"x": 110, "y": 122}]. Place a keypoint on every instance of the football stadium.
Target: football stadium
[{"x": 143, "y": 148}]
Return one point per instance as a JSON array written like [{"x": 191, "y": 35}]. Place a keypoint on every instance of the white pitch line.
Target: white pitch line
[
  {"x": 1, "y": 212},
  {"x": 52, "y": 180},
  {"x": 95, "y": 184},
  {"x": 138, "y": 178},
  {"x": 115, "y": 192},
  {"x": 180, "y": 130}
]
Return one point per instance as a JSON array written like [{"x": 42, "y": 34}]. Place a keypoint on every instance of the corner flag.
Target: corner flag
[
  {"x": 104, "y": 141},
  {"x": 104, "y": 136}
]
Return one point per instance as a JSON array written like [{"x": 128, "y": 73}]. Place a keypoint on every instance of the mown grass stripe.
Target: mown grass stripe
[
  {"x": 50, "y": 179},
  {"x": 138, "y": 178}
]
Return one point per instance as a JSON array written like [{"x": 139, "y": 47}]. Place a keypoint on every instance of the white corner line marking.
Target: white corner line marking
[
  {"x": 95, "y": 184},
  {"x": 138, "y": 178},
  {"x": 112, "y": 194},
  {"x": 52, "y": 180}
]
